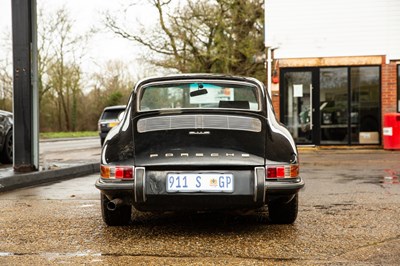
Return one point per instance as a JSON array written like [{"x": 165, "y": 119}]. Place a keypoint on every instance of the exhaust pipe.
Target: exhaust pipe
[{"x": 112, "y": 205}]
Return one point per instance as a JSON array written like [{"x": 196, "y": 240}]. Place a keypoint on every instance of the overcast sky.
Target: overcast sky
[{"x": 86, "y": 14}]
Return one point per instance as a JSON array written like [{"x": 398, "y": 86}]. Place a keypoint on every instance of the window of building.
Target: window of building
[
  {"x": 334, "y": 88},
  {"x": 332, "y": 105},
  {"x": 350, "y": 105},
  {"x": 365, "y": 105}
]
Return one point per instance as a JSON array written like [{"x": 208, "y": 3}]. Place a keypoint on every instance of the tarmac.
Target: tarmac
[
  {"x": 55, "y": 170},
  {"x": 10, "y": 180},
  {"x": 53, "y": 166}
]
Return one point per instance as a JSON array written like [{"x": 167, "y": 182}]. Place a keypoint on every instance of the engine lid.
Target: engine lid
[{"x": 199, "y": 140}]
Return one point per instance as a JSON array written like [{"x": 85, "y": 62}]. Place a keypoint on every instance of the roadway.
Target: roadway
[
  {"x": 348, "y": 215},
  {"x": 70, "y": 150},
  {"x": 56, "y": 145}
]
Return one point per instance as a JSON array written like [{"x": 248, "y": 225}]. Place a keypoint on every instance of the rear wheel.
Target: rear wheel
[
  {"x": 120, "y": 216},
  {"x": 6, "y": 155},
  {"x": 281, "y": 212}
]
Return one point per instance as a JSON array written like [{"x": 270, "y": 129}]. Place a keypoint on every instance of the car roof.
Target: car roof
[
  {"x": 114, "y": 107},
  {"x": 188, "y": 76}
]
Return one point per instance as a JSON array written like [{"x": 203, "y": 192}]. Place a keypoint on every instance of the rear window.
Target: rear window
[
  {"x": 199, "y": 95},
  {"x": 111, "y": 114}
]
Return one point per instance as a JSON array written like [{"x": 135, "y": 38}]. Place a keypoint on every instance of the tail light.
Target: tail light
[
  {"x": 282, "y": 171},
  {"x": 117, "y": 172},
  {"x": 276, "y": 172}
]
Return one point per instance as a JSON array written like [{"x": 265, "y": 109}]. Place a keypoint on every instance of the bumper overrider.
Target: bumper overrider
[{"x": 147, "y": 191}]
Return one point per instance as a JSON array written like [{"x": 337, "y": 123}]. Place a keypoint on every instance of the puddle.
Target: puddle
[{"x": 391, "y": 177}]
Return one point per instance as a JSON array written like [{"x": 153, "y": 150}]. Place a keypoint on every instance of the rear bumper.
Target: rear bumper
[
  {"x": 114, "y": 187},
  {"x": 284, "y": 187},
  {"x": 148, "y": 192}
]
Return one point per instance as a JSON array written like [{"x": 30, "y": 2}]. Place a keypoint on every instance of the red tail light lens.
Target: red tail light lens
[
  {"x": 280, "y": 172},
  {"x": 117, "y": 172},
  {"x": 287, "y": 171},
  {"x": 276, "y": 172},
  {"x": 123, "y": 172}
]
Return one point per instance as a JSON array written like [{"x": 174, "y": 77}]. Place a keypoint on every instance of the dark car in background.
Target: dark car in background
[
  {"x": 6, "y": 137},
  {"x": 109, "y": 119},
  {"x": 199, "y": 142}
]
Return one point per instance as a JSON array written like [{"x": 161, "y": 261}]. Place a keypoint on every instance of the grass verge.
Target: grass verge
[{"x": 78, "y": 134}]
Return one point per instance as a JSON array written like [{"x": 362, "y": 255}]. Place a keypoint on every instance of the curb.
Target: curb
[{"x": 29, "y": 179}]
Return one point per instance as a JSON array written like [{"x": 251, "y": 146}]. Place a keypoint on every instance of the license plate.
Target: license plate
[{"x": 202, "y": 182}]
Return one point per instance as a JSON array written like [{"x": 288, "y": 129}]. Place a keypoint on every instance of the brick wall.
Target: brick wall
[
  {"x": 389, "y": 88},
  {"x": 276, "y": 104}
]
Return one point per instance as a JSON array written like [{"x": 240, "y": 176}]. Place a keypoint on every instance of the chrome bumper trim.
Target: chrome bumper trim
[
  {"x": 278, "y": 186},
  {"x": 121, "y": 185}
]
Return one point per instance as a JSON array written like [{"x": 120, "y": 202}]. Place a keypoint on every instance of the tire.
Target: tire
[
  {"x": 283, "y": 212},
  {"x": 121, "y": 216},
  {"x": 6, "y": 155}
]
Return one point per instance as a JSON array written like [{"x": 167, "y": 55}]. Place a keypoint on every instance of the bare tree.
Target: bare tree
[
  {"x": 6, "y": 79},
  {"x": 204, "y": 36},
  {"x": 115, "y": 83},
  {"x": 6, "y": 86},
  {"x": 60, "y": 53},
  {"x": 112, "y": 85}
]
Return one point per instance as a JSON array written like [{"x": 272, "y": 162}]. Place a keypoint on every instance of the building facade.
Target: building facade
[{"x": 335, "y": 68}]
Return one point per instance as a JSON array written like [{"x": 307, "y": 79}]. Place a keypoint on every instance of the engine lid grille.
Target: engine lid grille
[{"x": 228, "y": 122}]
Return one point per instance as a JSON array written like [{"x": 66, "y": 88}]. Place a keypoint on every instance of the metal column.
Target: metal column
[{"x": 25, "y": 94}]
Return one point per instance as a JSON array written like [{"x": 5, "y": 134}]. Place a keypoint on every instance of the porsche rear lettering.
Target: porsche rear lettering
[{"x": 169, "y": 155}]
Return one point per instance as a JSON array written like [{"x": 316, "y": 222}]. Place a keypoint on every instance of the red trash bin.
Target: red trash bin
[{"x": 391, "y": 131}]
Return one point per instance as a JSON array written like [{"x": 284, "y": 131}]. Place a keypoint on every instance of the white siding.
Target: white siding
[{"x": 325, "y": 28}]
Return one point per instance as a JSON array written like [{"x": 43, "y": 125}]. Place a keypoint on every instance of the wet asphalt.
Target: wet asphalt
[{"x": 349, "y": 215}]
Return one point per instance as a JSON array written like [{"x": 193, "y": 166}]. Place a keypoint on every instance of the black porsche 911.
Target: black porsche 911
[{"x": 199, "y": 142}]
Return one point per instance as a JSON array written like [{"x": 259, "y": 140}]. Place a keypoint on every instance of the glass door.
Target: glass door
[
  {"x": 298, "y": 100},
  {"x": 331, "y": 105},
  {"x": 334, "y": 101}
]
